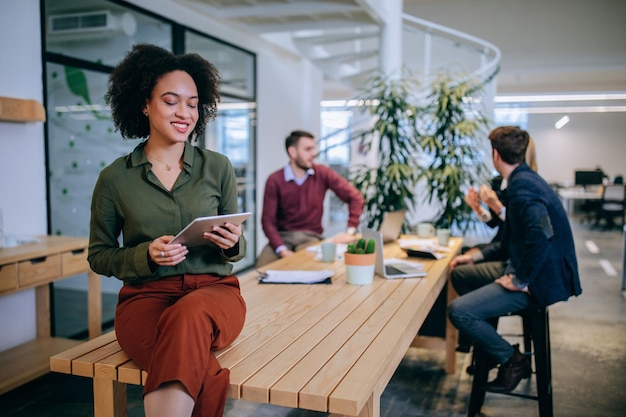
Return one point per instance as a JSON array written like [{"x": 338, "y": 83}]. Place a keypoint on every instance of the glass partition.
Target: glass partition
[
  {"x": 235, "y": 65},
  {"x": 233, "y": 131}
]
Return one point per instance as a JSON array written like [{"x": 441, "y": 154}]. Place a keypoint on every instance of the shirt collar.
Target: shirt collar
[
  {"x": 138, "y": 156},
  {"x": 290, "y": 176}
]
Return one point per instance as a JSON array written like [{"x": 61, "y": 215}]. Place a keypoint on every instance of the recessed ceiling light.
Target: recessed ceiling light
[{"x": 561, "y": 122}]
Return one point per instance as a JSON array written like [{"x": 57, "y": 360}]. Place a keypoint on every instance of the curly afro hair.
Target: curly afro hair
[{"x": 133, "y": 79}]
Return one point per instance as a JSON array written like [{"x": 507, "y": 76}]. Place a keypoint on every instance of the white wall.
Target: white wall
[
  {"x": 22, "y": 163},
  {"x": 587, "y": 141},
  {"x": 289, "y": 94}
]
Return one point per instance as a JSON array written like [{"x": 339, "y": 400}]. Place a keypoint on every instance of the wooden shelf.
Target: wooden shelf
[
  {"x": 30, "y": 360},
  {"x": 21, "y": 110},
  {"x": 35, "y": 265}
]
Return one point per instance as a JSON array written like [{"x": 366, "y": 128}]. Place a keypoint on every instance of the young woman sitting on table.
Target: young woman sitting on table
[{"x": 178, "y": 303}]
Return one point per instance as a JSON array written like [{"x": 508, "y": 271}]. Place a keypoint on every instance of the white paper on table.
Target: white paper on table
[
  {"x": 295, "y": 276},
  {"x": 430, "y": 245}
]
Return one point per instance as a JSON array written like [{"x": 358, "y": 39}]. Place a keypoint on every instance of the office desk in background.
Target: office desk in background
[{"x": 569, "y": 196}]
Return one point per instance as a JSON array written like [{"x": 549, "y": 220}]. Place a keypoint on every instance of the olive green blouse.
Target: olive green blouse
[{"x": 131, "y": 206}]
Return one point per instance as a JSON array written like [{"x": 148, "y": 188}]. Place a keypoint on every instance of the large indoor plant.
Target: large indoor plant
[
  {"x": 388, "y": 182},
  {"x": 453, "y": 134}
]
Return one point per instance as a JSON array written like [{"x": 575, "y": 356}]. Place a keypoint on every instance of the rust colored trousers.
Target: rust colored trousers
[{"x": 171, "y": 327}]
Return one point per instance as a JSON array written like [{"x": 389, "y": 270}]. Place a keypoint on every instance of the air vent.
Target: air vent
[
  {"x": 86, "y": 25},
  {"x": 81, "y": 22}
]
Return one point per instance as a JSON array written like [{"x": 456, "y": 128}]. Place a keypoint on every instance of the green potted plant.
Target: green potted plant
[
  {"x": 431, "y": 153},
  {"x": 389, "y": 182},
  {"x": 360, "y": 262},
  {"x": 453, "y": 126}
]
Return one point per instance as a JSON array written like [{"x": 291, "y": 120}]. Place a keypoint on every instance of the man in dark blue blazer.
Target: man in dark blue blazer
[{"x": 542, "y": 267}]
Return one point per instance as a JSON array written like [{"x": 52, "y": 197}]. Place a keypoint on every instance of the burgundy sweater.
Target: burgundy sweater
[{"x": 288, "y": 206}]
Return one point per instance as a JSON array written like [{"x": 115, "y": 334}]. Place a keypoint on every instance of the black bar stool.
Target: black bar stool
[{"x": 536, "y": 326}]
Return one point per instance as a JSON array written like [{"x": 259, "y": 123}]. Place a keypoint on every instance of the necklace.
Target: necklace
[{"x": 168, "y": 167}]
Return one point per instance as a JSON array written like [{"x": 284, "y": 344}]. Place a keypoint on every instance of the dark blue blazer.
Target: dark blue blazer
[{"x": 538, "y": 238}]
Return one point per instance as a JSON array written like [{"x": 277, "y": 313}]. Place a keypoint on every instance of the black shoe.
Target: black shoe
[
  {"x": 465, "y": 343},
  {"x": 491, "y": 363},
  {"x": 511, "y": 372}
]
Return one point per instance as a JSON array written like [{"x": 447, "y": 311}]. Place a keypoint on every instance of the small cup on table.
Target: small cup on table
[
  {"x": 443, "y": 237},
  {"x": 329, "y": 251}
]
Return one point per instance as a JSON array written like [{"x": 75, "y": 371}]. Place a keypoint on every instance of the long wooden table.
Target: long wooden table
[
  {"x": 332, "y": 348},
  {"x": 36, "y": 265},
  {"x": 324, "y": 347}
]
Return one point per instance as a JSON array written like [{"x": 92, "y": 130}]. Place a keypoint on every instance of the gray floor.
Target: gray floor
[{"x": 588, "y": 361}]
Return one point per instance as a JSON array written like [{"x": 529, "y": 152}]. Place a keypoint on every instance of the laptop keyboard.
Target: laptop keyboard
[{"x": 390, "y": 270}]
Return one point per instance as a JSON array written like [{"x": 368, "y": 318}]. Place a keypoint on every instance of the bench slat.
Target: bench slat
[
  {"x": 62, "y": 362},
  {"x": 85, "y": 364},
  {"x": 130, "y": 373},
  {"x": 107, "y": 367}
]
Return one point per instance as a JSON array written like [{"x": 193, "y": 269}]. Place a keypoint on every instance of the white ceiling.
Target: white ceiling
[{"x": 546, "y": 45}]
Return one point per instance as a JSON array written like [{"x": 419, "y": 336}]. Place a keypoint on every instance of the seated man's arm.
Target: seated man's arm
[
  {"x": 347, "y": 193},
  {"x": 270, "y": 213}
]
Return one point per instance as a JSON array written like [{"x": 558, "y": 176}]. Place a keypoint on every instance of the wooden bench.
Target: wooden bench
[{"x": 330, "y": 348}]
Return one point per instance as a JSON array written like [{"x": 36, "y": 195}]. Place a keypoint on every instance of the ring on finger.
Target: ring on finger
[{"x": 162, "y": 254}]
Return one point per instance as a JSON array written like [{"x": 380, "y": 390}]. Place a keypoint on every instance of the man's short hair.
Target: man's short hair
[
  {"x": 294, "y": 137},
  {"x": 510, "y": 142}
]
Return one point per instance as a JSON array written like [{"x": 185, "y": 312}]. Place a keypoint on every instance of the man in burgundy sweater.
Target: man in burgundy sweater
[{"x": 293, "y": 203}]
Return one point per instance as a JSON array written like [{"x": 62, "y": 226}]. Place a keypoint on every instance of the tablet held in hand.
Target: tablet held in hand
[{"x": 191, "y": 235}]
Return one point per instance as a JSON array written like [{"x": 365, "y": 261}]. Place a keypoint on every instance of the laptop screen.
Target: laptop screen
[{"x": 391, "y": 225}]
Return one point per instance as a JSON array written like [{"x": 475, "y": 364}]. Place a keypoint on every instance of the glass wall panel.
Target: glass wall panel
[
  {"x": 236, "y": 66},
  {"x": 233, "y": 132},
  {"x": 334, "y": 150},
  {"x": 81, "y": 141}
]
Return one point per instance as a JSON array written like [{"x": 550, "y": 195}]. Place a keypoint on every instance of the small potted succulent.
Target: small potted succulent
[{"x": 360, "y": 261}]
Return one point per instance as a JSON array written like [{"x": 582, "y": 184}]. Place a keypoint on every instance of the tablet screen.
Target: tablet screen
[{"x": 191, "y": 235}]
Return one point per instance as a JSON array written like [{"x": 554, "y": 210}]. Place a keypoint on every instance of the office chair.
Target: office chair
[{"x": 612, "y": 204}]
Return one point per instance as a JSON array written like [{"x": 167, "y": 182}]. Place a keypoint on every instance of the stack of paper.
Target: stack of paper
[{"x": 295, "y": 276}]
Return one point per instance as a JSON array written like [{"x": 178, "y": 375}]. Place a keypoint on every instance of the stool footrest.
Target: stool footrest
[
  {"x": 515, "y": 394},
  {"x": 536, "y": 335}
]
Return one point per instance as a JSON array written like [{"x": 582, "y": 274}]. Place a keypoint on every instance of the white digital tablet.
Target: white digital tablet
[{"x": 191, "y": 235}]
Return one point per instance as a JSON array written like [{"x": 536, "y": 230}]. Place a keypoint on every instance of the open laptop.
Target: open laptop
[
  {"x": 391, "y": 268},
  {"x": 391, "y": 225}
]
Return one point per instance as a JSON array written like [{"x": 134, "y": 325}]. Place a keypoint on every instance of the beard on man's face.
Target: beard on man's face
[{"x": 303, "y": 164}]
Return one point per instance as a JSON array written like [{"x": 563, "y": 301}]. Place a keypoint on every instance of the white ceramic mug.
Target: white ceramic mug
[
  {"x": 425, "y": 230},
  {"x": 443, "y": 237},
  {"x": 329, "y": 251}
]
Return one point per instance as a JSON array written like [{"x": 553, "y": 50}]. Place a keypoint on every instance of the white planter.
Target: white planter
[
  {"x": 360, "y": 268},
  {"x": 360, "y": 274}
]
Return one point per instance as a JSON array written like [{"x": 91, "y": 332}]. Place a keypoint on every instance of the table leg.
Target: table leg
[
  {"x": 42, "y": 301},
  {"x": 94, "y": 304},
  {"x": 109, "y": 398},
  {"x": 451, "y": 333},
  {"x": 370, "y": 409}
]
